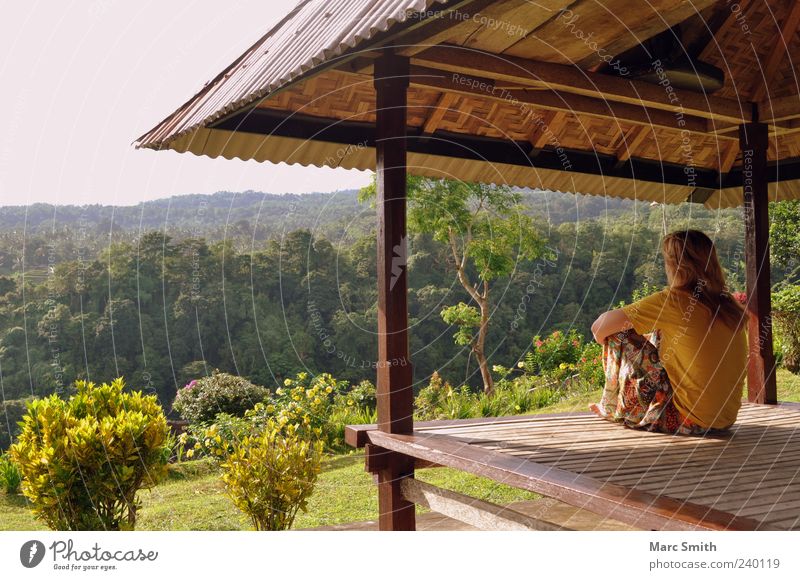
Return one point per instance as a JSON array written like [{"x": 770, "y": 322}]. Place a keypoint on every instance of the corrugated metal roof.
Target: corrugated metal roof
[
  {"x": 315, "y": 31},
  {"x": 276, "y": 149}
]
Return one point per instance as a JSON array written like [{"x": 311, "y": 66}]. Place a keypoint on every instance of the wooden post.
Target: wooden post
[
  {"x": 395, "y": 395},
  {"x": 761, "y": 386}
]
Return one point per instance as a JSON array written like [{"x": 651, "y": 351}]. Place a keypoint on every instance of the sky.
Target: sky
[{"x": 82, "y": 80}]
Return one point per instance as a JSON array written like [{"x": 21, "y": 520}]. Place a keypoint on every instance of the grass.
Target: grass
[
  {"x": 788, "y": 386},
  {"x": 193, "y": 496}
]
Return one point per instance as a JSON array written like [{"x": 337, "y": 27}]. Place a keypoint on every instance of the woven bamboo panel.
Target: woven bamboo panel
[{"x": 753, "y": 27}]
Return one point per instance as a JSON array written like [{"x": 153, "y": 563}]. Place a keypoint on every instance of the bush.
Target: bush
[
  {"x": 202, "y": 400},
  {"x": 84, "y": 460},
  {"x": 10, "y": 475},
  {"x": 786, "y": 316},
  {"x": 440, "y": 400},
  {"x": 555, "y": 355},
  {"x": 271, "y": 475},
  {"x": 590, "y": 366},
  {"x": 320, "y": 407}
]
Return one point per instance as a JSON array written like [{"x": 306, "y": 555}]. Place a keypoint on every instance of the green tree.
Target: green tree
[
  {"x": 784, "y": 237},
  {"x": 487, "y": 234}
]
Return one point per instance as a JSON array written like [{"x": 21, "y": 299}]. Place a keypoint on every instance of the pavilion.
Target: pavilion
[{"x": 667, "y": 101}]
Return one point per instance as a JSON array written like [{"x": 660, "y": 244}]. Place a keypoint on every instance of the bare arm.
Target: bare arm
[{"x": 610, "y": 322}]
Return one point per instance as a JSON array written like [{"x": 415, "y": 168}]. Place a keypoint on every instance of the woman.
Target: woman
[{"x": 688, "y": 376}]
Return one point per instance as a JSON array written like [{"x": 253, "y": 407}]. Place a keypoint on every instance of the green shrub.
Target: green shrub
[
  {"x": 84, "y": 460},
  {"x": 440, "y": 400},
  {"x": 202, "y": 400},
  {"x": 590, "y": 366},
  {"x": 361, "y": 396},
  {"x": 306, "y": 401},
  {"x": 270, "y": 475},
  {"x": 555, "y": 355},
  {"x": 786, "y": 316},
  {"x": 320, "y": 406},
  {"x": 10, "y": 475}
]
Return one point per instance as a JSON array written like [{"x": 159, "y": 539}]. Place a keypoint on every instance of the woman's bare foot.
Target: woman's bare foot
[{"x": 594, "y": 408}]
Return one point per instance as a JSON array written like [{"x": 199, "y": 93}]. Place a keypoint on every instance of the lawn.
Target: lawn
[
  {"x": 193, "y": 497},
  {"x": 197, "y": 500}
]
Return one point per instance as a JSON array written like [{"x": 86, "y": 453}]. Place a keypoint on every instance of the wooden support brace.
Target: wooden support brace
[
  {"x": 377, "y": 458},
  {"x": 632, "y": 142},
  {"x": 438, "y": 112},
  {"x": 481, "y": 514}
]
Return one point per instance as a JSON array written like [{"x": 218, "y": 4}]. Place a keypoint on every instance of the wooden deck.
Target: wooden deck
[{"x": 748, "y": 478}]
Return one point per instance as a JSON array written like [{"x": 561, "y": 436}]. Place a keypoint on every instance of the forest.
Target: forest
[{"x": 265, "y": 286}]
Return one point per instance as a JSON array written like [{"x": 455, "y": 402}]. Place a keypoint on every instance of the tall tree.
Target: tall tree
[{"x": 487, "y": 234}]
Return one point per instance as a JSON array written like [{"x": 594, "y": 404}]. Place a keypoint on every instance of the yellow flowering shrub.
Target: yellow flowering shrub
[
  {"x": 316, "y": 407},
  {"x": 270, "y": 475},
  {"x": 84, "y": 460}
]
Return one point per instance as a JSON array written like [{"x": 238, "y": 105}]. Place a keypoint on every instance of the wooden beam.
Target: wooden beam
[
  {"x": 615, "y": 112},
  {"x": 728, "y": 157},
  {"x": 484, "y": 149},
  {"x": 774, "y": 111},
  {"x": 568, "y": 79},
  {"x": 631, "y": 143},
  {"x": 638, "y": 508},
  {"x": 643, "y": 21},
  {"x": 481, "y": 514},
  {"x": 438, "y": 112},
  {"x": 709, "y": 26},
  {"x": 761, "y": 386},
  {"x": 546, "y": 130},
  {"x": 358, "y": 435},
  {"x": 376, "y": 458},
  {"x": 395, "y": 398},
  {"x": 779, "y": 51}
]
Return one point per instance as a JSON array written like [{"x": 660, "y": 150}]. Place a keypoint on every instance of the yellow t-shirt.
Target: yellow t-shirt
[{"x": 706, "y": 363}]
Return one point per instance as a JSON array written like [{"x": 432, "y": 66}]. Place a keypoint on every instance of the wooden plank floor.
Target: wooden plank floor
[{"x": 752, "y": 471}]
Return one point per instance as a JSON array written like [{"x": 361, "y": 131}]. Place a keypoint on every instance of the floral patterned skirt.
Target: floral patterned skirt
[{"x": 637, "y": 392}]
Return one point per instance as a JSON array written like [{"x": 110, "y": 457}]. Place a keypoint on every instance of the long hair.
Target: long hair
[{"x": 693, "y": 267}]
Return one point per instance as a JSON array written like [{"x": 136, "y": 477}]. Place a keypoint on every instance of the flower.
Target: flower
[
  {"x": 190, "y": 385},
  {"x": 521, "y": 365},
  {"x": 190, "y": 453},
  {"x": 538, "y": 343},
  {"x": 575, "y": 343}
]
